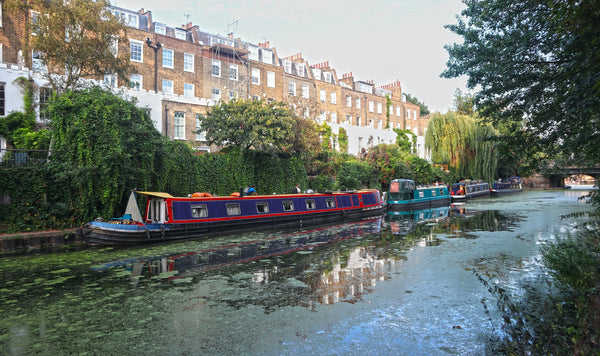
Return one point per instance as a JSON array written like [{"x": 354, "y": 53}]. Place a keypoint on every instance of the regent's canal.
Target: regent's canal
[{"x": 375, "y": 286}]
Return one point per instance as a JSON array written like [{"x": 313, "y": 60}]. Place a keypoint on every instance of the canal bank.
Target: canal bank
[{"x": 39, "y": 240}]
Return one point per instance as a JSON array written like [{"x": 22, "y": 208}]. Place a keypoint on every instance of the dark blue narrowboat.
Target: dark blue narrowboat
[
  {"x": 404, "y": 195},
  {"x": 469, "y": 189},
  {"x": 170, "y": 218},
  {"x": 512, "y": 185}
]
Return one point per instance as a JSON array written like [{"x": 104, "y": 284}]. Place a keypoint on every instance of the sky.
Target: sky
[{"x": 377, "y": 40}]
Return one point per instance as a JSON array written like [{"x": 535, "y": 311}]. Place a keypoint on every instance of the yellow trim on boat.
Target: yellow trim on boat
[{"x": 156, "y": 194}]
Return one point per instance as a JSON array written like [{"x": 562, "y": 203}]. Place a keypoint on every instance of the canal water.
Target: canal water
[{"x": 401, "y": 284}]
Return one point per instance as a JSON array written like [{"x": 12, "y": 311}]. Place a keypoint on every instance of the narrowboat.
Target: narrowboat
[
  {"x": 512, "y": 185},
  {"x": 170, "y": 218},
  {"x": 469, "y": 189},
  {"x": 404, "y": 195}
]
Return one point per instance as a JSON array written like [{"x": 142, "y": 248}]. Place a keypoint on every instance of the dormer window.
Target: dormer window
[
  {"x": 160, "y": 29},
  {"x": 180, "y": 34}
]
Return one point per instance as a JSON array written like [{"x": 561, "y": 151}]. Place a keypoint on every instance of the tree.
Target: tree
[
  {"x": 423, "y": 108},
  {"x": 536, "y": 62},
  {"x": 466, "y": 144},
  {"x": 250, "y": 123},
  {"x": 75, "y": 38}
]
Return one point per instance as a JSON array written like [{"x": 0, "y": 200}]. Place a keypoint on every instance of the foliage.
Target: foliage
[
  {"x": 537, "y": 62},
  {"x": 422, "y": 171},
  {"x": 355, "y": 175},
  {"x": 110, "y": 142},
  {"x": 321, "y": 183},
  {"x": 386, "y": 162},
  {"x": 14, "y": 122},
  {"x": 76, "y": 38},
  {"x": 519, "y": 150},
  {"x": 306, "y": 140},
  {"x": 343, "y": 139},
  {"x": 466, "y": 144},
  {"x": 405, "y": 139},
  {"x": 464, "y": 103},
  {"x": 423, "y": 108},
  {"x": 250, "y": 123}
]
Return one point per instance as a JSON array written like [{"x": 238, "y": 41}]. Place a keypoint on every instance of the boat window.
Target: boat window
[
  {"x": 262, "y": 207},
  {"x": 433, "y": 192},
  {"x": 288, "y": 205},
  {"x": 310, "y": 203},
  {"x": 421, "y": 194},
  {"x": 441, "y": 191},
  {"x": 199, "y": 211},
  {"x": 233, "y": 209},
  {"x": 394, "y": 186},
  {"x": 330, "y": 203}
]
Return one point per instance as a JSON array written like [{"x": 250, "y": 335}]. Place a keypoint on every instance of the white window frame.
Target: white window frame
[
  {"x": 333, "y": 97},
  {"x": 215, "y": 94},
  {"x": 371, "y": 106},
  {"x": 301, "y": 70},
  {"x": 168, "y": 85},
  {"x": 305, "y": 91},
  {"x": 136, "y": 80},
  {"x": 160, "y": 29},
  {"x": 168, "y": 58},
  {"x": 271, "y": 79},
  {"x": 255, "y": 76},
  {"x": 357, "y": 103},
  {"x": 398, "y": 111},
  {"x": 200, "y": 135},
  {"x": 234, "y": 72},
  {"x": 133, "y": 45},
  {"x": 188, "y": 62},
  {"x": 333, "y": 117},
  {"x": 188, "y": 90},
  {"x": 292, "y": 88},
  {"x": 216, "y": 68},
  {"x": 379, "y": 108},
  {"x": 180, "y": 34},
  {"x": 179, "y": 125},
  {"x": 323, "y": 95},
  {"x": 348, "y": 101}
]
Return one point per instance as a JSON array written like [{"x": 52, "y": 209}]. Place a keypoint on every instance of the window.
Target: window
[
  {"x": 167, "y": 86},
  {"x": 136, "y": 51},
  {"x": 110, "y": 80},
  {"x": 379, "y": 108},
  {"x": 199, "y": 211},
  {"x": 200, "y": 135},
  {"x": 179, "y": 125},
  {"x": 1, "y": 5},
  {"x": 380, "y": 124},
  {"x": 188, "y": 62},
  {"x": 357, "y": 103},
  {"x": 328, "y": 77},
  {"x": 305, "y": 94},
  {"x": 358, "y": 121},
  {"x": 310, "y": 204},
  {"x": 349, "y": 119},
  {"x": 334, "y": 117},
  {"x": 256, "y": 76},
  {"x": 188, "y": 90},
  {"x": 160, "y": 29},
  {"x": 233, "y": 209},
  {"x": 44, "y": 94},
  {"x": 135, "y": 82},
  {"x": 113, "y": 45},
  {"x": 301, "y": 70},
  {"x": 292, "y": 89},
  {"x": 398, "y": 111},
  {"x": 216, "y": 68},
  {"x": 262, "y": 207},
  {"x": 408, "y": 113},
  {"x": 306, "y": 112},
  {"x": 2, "y": 98},
  {"x": 371, "y": 106},
  {"x": 323, "y": 95},
  {"x": 232, "y": 94},
  {"x": 287, "y": 66},
  {"x": 348, "y": 101},
  {"x": 216, "y": 94},
  {"x": 180, "y": 34},
  {"x": 330, "y": 202},
  {"x": 333, "y": 97},
  {"x": 288, "y": 205},
  {"x": 271, "y": 79},
  {"x": 233, "y": 71},
  {"x": 167, "y": 58}
]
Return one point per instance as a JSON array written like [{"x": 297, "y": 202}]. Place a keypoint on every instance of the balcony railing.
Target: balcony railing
[{"x": 14, "y": 157}]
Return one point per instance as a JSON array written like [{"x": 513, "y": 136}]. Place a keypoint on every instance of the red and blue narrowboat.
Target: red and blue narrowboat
[{"x": 168, "y": 218}]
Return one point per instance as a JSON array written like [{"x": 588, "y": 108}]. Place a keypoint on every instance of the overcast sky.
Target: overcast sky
[{"x": 375, "y": 40}]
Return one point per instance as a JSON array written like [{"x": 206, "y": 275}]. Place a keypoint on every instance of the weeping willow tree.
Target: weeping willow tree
[{"x": 464, "y": 143}]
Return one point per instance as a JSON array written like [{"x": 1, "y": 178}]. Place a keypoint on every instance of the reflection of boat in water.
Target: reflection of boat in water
[
  {"x": 221, "y": 256},
  {"x": 513, "y": 185},
  {"x": 170, "y": 218},
  {"x": 404, "y": 195},
  {"x": 402, "y": 223}
]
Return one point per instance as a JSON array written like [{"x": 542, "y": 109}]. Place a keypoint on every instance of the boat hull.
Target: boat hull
[
  {"x": 500, "y": 192},
  {"x": 413, "y": 204}
]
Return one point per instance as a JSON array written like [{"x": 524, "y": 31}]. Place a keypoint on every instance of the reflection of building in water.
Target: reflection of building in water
[{"x": 361, "y": 271}]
